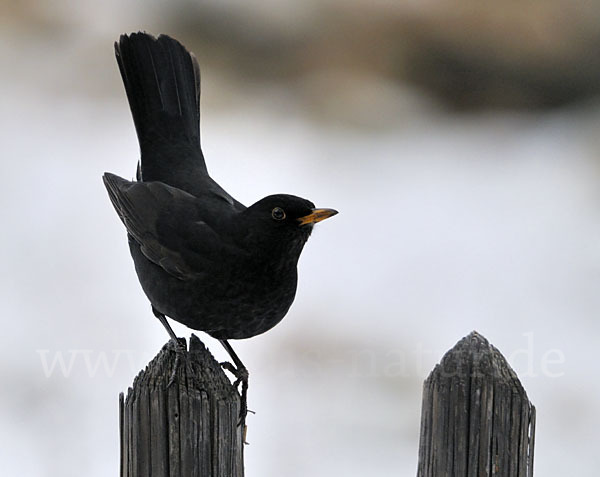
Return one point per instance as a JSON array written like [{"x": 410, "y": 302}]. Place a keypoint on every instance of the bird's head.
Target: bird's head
[{"x": 283, "y": 221}]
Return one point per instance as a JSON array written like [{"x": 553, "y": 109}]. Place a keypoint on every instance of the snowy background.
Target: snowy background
[{"x": 463, "y": 205}]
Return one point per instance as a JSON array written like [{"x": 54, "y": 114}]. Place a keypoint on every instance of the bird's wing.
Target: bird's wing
[{"x": 165, "y": 222}]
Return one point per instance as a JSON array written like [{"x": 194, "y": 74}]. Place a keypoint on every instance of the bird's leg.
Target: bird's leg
[
  {"x": 241, "y": 377},
  {"x": 163, "y": 320},
  {"x": 179, "y": 346}
]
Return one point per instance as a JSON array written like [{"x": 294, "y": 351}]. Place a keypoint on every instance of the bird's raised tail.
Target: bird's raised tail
[{"x": 162, "y": 81}]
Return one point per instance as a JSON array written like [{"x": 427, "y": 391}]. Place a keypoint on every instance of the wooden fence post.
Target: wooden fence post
[
  {"x": 186, "y": 428},
  {"x": 476, "y": 419}
]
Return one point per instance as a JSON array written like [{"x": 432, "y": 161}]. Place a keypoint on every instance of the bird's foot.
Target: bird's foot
[
  {"x": 241, "y": 377},
  {"x": 241, "y": 373},
  {"x": 179, "y": 346}
]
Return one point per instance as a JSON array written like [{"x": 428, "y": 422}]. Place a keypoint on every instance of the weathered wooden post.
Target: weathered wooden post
[
  {"x": 182, "y": 424},
  {"x": 476, "y": 419}
]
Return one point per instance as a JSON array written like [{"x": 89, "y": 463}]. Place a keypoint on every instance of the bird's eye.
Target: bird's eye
[{"x": 278, "y": 213}]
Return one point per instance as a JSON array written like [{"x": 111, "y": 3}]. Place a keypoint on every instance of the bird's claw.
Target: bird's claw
[
  {"x": 241, "y": 374},
  {"x": 179, "y": 346},
  {"x": 241, "y": 377}
]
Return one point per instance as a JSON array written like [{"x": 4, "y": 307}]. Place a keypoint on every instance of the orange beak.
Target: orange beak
[{"x": 316, "y": 216}]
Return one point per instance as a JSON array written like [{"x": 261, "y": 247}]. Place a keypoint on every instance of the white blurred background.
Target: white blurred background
[{"x": 460, "y": 143}]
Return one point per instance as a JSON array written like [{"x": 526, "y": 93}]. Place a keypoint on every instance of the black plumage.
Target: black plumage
[{"x": 202, "y": 257}]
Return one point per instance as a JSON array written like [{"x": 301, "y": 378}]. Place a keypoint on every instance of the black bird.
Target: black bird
[{"x": 202, "y": 258}]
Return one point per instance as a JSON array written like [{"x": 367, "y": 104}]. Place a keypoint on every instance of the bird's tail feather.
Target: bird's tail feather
[{"x": 162, "y": 82}]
